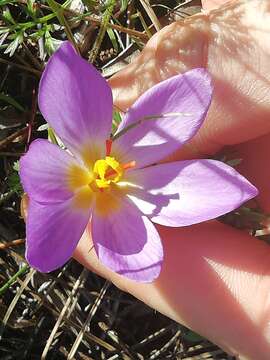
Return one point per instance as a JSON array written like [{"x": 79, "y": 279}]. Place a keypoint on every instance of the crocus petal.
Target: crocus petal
[
  {"x": 188, "y": 192},
  {"x": 128, "y": 243},
  {"x": 183, "y": 100},
  {"x": 75, "y": 100},
  {"x": 44, "y": 172},
  {"x": 52, "y": 233}
]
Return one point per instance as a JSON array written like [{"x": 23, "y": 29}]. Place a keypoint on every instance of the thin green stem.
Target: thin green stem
[
  {"x": 59, "y": 11},
  {"x": 103, "y": 27},
  {"x": 51, "y": 136},
  {"x": 13, "y": 279}
]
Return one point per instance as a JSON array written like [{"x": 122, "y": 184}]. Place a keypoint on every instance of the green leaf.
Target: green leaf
[
  {"x": 12, "y": 47},
  {"x": 51, "y": 136},
  {"x": 31, "y": 8},
  {"x": 124, "y": 5},
  {"x": 37, "y": 35},
  {"x": 102, "y": 30},
  {"x": 90, "y": 4},
  {"x": 192, "y": 336},
  {"x": 13, "y": 180},
  {"x": 16, "y": 166},
  {"x": 13, "y": 279},
  {"x": 113, "y": 39},
  {"x": 116, "y": 120},
  {"x": 6, "y": 14},
  {"x": 4, "y": 29},
  {"x": 14, "y": 183},
  {"x": 7, "y": 2},
  {"x": 59, "y": 11},
  {"x": 3, "y": 37},
  {"x": 51, "y": 44},
  {"x": 43, "y": 127}
]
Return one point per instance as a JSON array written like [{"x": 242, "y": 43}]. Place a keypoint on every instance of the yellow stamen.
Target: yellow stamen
[{"x": 107, "y": 171}]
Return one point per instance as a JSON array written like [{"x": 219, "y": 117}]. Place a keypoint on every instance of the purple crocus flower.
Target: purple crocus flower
[{"x": 116, "y": 184}]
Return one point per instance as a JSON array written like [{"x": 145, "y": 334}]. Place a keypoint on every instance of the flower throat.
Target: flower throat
[{"x": 108, "y": 171}]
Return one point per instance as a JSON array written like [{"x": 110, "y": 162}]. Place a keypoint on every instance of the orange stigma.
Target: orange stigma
[{"x": 108, "y": 147}]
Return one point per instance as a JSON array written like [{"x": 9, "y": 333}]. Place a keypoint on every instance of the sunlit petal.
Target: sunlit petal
[
  {"x": 178, "y": 105},
  {"x": 76, "y": 101},
  {"x": 188, "y": 192}
]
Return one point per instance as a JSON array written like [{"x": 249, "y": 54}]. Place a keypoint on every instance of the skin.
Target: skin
[{"x": 215, "y": 279}]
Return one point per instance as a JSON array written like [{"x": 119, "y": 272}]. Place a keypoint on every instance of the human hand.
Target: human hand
[{"x": 215, "y": 279}]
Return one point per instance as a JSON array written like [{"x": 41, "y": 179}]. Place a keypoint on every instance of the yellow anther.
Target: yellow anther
[{"x": 107, "y": 170}]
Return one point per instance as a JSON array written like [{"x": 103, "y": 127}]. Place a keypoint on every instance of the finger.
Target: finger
[
  {"x": 232, "y": 43},
  {"x": 214, "y": 279},
  {"x": 254, "y": 165}
]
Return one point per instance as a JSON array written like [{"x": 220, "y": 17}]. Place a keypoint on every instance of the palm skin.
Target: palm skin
[{"x": 215, "y": 279}]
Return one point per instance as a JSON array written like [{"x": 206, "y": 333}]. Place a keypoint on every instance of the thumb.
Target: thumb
[{"x": 210, "y": 282}]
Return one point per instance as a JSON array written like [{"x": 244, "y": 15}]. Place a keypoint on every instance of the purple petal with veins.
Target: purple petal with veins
[
  {"x": 53, "y": 232},
  {"x": 43, "y": 172},
  {"x": 128, "y": 243},
  {"x": 175, "y": 110},
  {"x": 188, "y": 192},
  {"x": 75, "y": 100}
]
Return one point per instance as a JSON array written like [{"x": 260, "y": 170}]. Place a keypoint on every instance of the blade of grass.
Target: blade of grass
[
  {"x": 113, "y": 39},
  {"x": 13, "y": 279},
  {"x": 146, "y": 29},
  {"x": 16, "y": 298},
  {"x": 103, "y": 28},
  {"x": 92, "y": 312},
  {"x": 150, "y": 12},
  {"x": 72, "y": 296},
  {"x": 51, "y": 136},
  {"x": 59, "y": 11}
]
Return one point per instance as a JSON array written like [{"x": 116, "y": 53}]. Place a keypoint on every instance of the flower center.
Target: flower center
[
  {"x": 98, "y": 181},
  {"x": 107, "y": 171}
]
